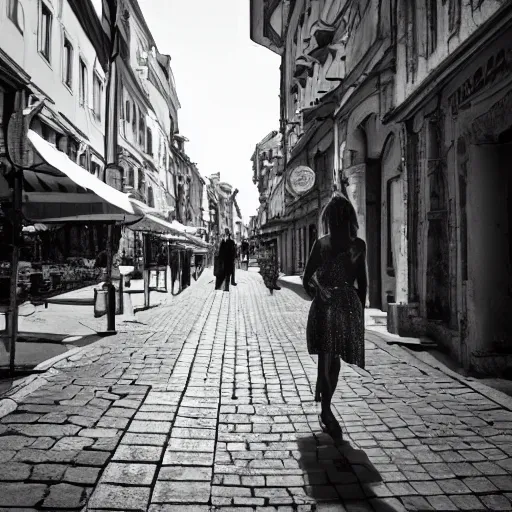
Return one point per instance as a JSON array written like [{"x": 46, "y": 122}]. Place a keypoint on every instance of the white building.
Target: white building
[{"x": 60, "y": 47}]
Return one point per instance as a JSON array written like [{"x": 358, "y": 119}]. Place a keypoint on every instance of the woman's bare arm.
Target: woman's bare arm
[{"x": 312, "y": 264}]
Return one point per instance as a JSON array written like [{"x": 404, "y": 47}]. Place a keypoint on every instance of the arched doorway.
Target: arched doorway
[{"x": 373, "y": 185}]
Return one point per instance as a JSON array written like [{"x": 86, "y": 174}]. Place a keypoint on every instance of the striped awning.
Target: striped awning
[{"x": 56, "y": 189}]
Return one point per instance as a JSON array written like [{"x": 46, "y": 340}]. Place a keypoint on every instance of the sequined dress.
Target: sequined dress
[{"x": 336, "y": 326}]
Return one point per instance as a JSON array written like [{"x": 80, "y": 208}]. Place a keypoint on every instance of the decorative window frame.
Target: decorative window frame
[
  {"x": 85, "y": 102},
  {"x": 40, "y": 44},
  {"x": 67, "y": 39},
  {"x": 97, "y": 115}
]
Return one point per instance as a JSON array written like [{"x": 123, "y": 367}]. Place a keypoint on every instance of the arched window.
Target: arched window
[
  {"x": 134, "y": 120},
  {"x": 128, "y": 111},
  {"x": 151, "y": 199},
  {"x": 149, "y": 142}
]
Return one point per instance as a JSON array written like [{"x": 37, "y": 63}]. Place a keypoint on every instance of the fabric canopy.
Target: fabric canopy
[
  {"x": 153, "y": 224},
  {"x": 59, "y": 190},
  {"x": 184, "y": 229}
]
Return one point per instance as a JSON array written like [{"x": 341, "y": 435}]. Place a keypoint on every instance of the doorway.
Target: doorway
[
  {"x": 489, "y": 208},
  {"x": 373, "y": 184}
]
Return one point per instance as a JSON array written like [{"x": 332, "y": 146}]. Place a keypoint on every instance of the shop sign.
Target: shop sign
[
  {"x": 302, "y": 179},
  {"x": 485, "y": 75}
]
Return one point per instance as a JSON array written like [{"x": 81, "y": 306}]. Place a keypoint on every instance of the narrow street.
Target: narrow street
[{"x": 207, "y": 404}]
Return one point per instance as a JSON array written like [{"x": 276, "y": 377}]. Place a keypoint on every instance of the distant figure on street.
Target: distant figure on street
[
  {"x": 269, "y": 268},
  {"x": 336, "y": 319},
  {"x": 226, "y": 261}
]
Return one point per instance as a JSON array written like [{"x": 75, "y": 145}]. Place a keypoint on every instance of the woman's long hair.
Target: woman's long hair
[{"x": 341, "y": 219}]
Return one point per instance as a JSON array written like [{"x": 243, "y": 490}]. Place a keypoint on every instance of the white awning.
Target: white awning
[
  {"x": 153, "y": 224},
  {"x": 59, "y": 190},
  {"x": 184, "y": 229}
]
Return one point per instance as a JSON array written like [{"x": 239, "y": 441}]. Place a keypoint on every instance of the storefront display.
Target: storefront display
[{"x": 49, "y": 265}]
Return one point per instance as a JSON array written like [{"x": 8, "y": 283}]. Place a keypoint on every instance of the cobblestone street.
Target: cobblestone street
[{"x": 207, "y": 404}]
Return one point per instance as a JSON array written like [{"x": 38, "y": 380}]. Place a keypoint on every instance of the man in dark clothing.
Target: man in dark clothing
[{"x": 227, "y": 252}]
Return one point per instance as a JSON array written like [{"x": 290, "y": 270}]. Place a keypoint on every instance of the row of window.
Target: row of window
[{"x": 45, "y": 38}]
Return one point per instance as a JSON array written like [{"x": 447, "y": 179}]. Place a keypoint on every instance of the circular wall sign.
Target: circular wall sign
[{"x": 302, "y": 179}]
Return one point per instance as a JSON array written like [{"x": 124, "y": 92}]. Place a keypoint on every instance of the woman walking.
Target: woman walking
[{"x": 335, "y": 326}]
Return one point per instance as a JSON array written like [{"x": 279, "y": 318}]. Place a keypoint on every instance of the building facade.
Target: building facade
[
  {"x": 223, "y": 209},
  {"x": 336, "y": 86},
  {"x": 453, "y": 97},
  {"x": 53, "y": 54},
  {"x": 57, "y": 49},
  {"x": 152, "y": 164}
]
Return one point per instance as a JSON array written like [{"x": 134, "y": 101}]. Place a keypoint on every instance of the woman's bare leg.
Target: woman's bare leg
[
  {"x": 318, "y": 390},
  {"x": 327, "y": 369},
  {"x": 335, "y": 372}
]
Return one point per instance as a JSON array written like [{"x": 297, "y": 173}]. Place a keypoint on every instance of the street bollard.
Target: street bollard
[{"x": 111, "y": 306}]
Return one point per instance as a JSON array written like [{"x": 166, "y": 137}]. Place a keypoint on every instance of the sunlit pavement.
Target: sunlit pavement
[{"x": 207, "y": 404}]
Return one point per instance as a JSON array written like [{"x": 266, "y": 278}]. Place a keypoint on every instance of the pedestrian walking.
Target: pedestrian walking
[
  {"x": 235, "y": 263},
  {"x": 226, "y": 261},
  {"x": 335, "y": 327},
  {"x": 269, "y": 268}
]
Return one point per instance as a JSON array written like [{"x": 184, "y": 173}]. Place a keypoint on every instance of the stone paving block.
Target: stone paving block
[
  {"x": 82, "y": 475},
  {"x": 14, "y": 442},
  {"x": 72, "y": 443},
  {"x": 181, "y": 492},
  {"x": 64, "y": 496},
  {"x": 92, "y": 458},
  {"x": 112, "y": 422},
  {"x": 467, "y": 502},
  {"x": 6, "y": 455},
  {"x": 193, "y": 433},
  {"x": 137, "y": 453},
  {"x": 185, "y": 473},
  {"x": 150, "y": 427},
  {"x": 129, "y": 473},
  {"x": 14, "y": 472},
  {"x": 191, "y": 445},
  {"x": 503, "y": 483},
  {"x": 116, "y": 497},
  {"x": 21, "y": 494},
  {"x": 441, "y": 503},
  {"x": 496, "y": 502},
  {"x": 416, "y": 503},
  {"x": 143, "y": 439},
  {"x": 188, "y": 458},
  {"x": 48, "y": 472},
  {"x": 179, "y": 508},
  {"x": 120, "y": 412}
]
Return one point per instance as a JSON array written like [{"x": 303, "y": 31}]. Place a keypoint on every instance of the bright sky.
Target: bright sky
[{"x": 227, "y": 85}]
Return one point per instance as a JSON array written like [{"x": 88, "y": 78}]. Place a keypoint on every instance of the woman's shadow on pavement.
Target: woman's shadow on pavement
[{"x": 339, "y": 475}]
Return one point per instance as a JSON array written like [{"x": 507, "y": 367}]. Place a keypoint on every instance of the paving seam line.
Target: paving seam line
[{"x": 492, "y": 394}]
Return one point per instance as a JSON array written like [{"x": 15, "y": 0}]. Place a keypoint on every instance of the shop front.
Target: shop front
[
  {"x": 479, "y": 122},
  {"x": 309, "y": 186},
  {"x": 56, "y": 218},
  {"x": 459, "y": 148}
]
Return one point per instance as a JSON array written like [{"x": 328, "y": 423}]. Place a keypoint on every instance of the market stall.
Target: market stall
[
  {"x": 48, "y": 189},
  {"x": 157, "y": 269}
]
